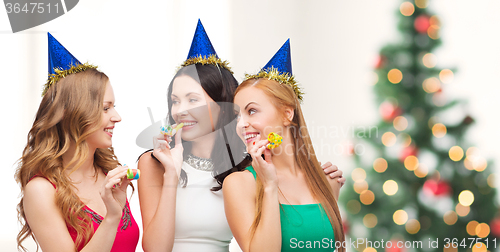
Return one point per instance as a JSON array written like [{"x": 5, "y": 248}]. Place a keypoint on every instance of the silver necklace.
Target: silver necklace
[{"x": 202, "y": 164}]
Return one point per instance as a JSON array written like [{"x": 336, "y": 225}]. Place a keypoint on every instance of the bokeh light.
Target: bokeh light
[
  {"x": 400, "y": 217},
  {"x": 491, "y": 180},
  {"x": 353, "y": 206},
  {"x": 412, "y": 226},
  {"x": 380, "y": 165},
  {"x": 389, "y": 139},
  {"x": 421, "y": 3},
  {"x": 370, "y": 220},
  {"x": 450, "y": 217},
  {"x": 471, "y": 227},
  {"x": 439, "y": 130},
  {"x": 431, "y": 85},
  {"x": 400, "y": 123},
  {"x": 482, "y": 230},
  {"x": 429, "y": 60},
  {"x": 479, "y": 247},
  {"x": 446, "y": 76},
  {"x": 407, "y": 9},
  {"x": 369, "y": 249},
  {"x": 390, "y": 187},
  {"x": 466, "y": 198},
  {"x": 367, "y": 197},
  {"x": 360, "y": 186},
  {"x": 395, "y": 76},
  {"x": 456, "y": 153},
  {"x": 358, "y": 174},
  {"x": 462, "y": 210},
  {"x": 421, "y": 171},
  {"x": 411, "y": 163}
]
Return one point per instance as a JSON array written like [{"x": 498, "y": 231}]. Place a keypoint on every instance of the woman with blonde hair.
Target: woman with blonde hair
[
  {"x": 74, "y": 190},
  {"x": 283, "y": 201}
]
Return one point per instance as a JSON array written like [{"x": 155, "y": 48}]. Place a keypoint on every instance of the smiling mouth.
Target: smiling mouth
[
  {"x": 188, "y": 125},
  {"x": 250, "y": 137},
  {"x": 109, "y": 131}
]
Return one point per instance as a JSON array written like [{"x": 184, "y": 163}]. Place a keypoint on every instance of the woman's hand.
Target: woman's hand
[
  {"x": 333, "y": 171},
  {"x": 264, "y": 168},
  {"x": 170, "y": 158},
  {"x": 114, "y": 191}
]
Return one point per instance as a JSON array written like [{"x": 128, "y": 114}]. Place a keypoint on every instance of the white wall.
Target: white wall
[{"x": 334, "y": 46}]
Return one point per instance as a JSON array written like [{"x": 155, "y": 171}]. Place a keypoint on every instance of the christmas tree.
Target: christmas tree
[{"x": 425, "y": 188}]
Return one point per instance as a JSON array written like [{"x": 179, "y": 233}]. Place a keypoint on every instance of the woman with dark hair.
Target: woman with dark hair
[
  {"x": 74, "y": 189},
  {"x": 179, "y": 190}
]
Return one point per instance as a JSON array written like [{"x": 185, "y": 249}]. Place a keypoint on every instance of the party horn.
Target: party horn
[
  {"x": 133, "y": 173},
  {"x": 274, "y": 139},
  {"x": 169, "y": 131}
]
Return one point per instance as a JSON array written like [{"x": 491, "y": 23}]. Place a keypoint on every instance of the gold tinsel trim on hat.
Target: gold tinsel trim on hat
[
  {"x": 61, "y": 73},
  {"x": 210, "y": 59},
  {"x": 283, "y": 78}
]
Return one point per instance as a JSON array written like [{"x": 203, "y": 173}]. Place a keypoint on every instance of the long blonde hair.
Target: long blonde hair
[
  {"x": 283, "y": 96},
  {"x": 69, "y": 112}
]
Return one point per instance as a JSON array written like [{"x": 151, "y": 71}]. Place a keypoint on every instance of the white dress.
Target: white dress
[{"x": 200, "y": 220}]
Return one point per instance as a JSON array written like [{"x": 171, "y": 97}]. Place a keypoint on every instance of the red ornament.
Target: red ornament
[
  {"x": 408, "y": 151},
  {"x": 495, "y": 227},
  {"x": 422, "y": 23},
  {"x": 380, "y": 61},
  {"x": 389, "y": 111},
  {"x": 393, "y": 246},
  {"x": 436, "y": 188}
]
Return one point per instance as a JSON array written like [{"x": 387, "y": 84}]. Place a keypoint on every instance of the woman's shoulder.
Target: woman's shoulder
[
  {"x": 147, "y": 160},
  {"x": 39, "y": 190},
  {"x": 241, "y": 179}
]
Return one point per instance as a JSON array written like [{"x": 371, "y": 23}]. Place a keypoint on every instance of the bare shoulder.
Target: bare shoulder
[
  {"x": 239, "y": 181},
  {"x": 149, "y": 164},
  {"x": 39, "y": 189}
]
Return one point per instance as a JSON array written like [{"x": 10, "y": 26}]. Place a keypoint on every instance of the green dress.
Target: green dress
[{"x": 304, "y": 227}]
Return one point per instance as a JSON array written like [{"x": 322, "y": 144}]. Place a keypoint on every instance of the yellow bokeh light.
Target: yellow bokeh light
[
  {"x": 390, "y": 187},
  {"x": 449, "y": 247},
  {"x": 395, "y": 76},
  {"x": 462, "y": 210},
  {"x": 479, "y": 247},
  {"x": 407, "y": 9},
  {"x": 360, "y": 186},
  {"x": 421, "y": 171},
  {"x": 466, "y": 198},
  {"x": 439, "y": 130},
  {"x": 353, "y": 206},
  {"x": 482, "y": 230},
  {"x": 370, "y": 220},
  {"x": 434, "y": 21},
  {"x": 480, "y": 164},
  {"x": 473, "y": 151},
  {"x": 456, "y": 153},
  {"x": 429, "y": 60},
  {"x": 374, "y": 78},
  {"x": 433, "y": 32},
  {"x": 405, "y": 139},
  {"x": 431, "y": 85},
  {"x": 421, "y": 3},
  {"x": 369, "y": 249},
  {"x": 367, "y": 197},
  {"x": 411, "y": 163},
  {"x": 400, "y": 123},
  {"x": 446, "y": 76},
  {"x": 380, "y": 165},
  {"x": 491, "y": 180},
  {"x": 400, "y": 217},
  {"x": 389, "y": 139},
  {"x": 358, "y": 174},
  {"x": 469, "y": 163},
  {"x": 471, "y": 227},
  {"x": 450, "y": 217},
  {"x": 412, "y": 226}
]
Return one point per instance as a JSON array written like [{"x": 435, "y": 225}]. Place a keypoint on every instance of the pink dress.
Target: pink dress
[{"x": 127, "y": 234}]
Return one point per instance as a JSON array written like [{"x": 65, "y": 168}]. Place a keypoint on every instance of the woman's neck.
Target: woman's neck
[
  {"x": 203, "y": 146},
  {"x": 85, "y": 170}
]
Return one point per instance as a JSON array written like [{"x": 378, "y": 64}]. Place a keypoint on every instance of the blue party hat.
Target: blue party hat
[
  {"x": 279, "y": 69},
  {"x": 61, "y": 63},
  {"x": 202, "y": 51},
  {"x": 282, "y": 60}
]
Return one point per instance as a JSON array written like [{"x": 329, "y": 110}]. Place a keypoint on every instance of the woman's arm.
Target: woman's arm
[
  {"x": 157, "y": 195},
  {"x": 48, "y": 225}
]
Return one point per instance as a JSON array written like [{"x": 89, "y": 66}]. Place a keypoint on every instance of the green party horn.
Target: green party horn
[{"x": 133, "y": 173}]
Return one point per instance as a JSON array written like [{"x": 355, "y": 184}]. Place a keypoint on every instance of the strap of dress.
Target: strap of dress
[
  {"x": 250, "y": 169},
  {"x": 39, "y": 175}
]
